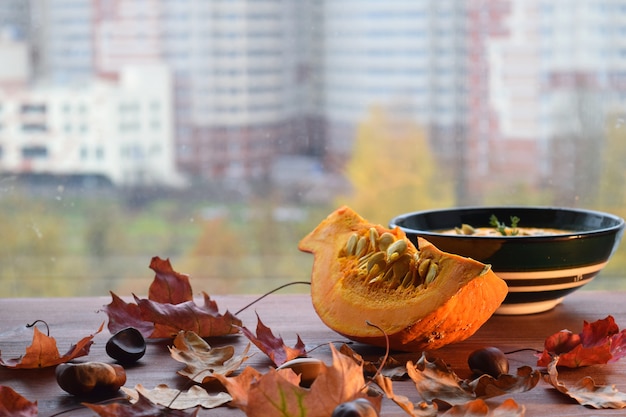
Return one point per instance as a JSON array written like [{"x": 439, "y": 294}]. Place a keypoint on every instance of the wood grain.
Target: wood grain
[{"x": 291, "y": 315}]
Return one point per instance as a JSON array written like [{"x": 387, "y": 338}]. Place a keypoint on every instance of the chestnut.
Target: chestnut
[
  {"x": 126, "y": 346},
  {"x": 488, "y": 360},
  {"x": 90, "y": 378},
  {"x": 355, "y": 408}
]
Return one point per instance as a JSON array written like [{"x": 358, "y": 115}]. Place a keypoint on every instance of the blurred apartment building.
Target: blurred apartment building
[{"x": 252, "y": 81}]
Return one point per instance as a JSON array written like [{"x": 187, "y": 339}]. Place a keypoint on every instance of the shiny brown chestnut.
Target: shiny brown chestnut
[
  {"x": 355, "y": 408},
  {"x": 126, "y": 346},
  {"x": 488, "y": 360},
  {"x": 90, "y": 378}
]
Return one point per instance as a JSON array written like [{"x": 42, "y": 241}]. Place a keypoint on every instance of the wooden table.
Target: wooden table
[{"x": 288, "y": 315}]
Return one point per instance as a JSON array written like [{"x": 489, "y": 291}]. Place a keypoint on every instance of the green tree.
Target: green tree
[{"x": 393, "y": 170}]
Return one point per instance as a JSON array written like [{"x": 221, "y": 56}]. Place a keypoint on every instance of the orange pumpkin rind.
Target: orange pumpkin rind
[{"x": 422, "y": 299}]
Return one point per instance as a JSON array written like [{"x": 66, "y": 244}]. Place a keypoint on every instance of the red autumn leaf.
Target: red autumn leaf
[
  {"x": 122, "y": 314},
  {"x": 169, "y": 308},
  {"x": 43, "y": 352},
  {"x": 142, "y": 408},
  {"x": 14, "y": 405},
  {"x": 600, "y": 342},
  {"x": 205, "y": 321},
  {"x": 168, "y": 285},
  {"x": 273, "y": 346}
]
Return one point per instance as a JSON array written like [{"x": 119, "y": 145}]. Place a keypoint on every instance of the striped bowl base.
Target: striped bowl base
[{"x": 539, "y": 291}]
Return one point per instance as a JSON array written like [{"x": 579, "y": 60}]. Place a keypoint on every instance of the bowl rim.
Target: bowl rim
[{"x": 620, "y": 223}]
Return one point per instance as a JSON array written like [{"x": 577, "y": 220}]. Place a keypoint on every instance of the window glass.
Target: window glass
[{"x": 218, "y": 133}]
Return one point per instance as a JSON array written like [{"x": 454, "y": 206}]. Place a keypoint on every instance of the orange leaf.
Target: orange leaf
[
  {"x": 278, "y": 391},
  {"x": 239, "y": 386},
  {"x": 13, "y": 404},
  {"x": 43, "y": 352}
]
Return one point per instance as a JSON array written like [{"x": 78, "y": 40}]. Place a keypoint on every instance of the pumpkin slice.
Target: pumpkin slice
[{"x": 422, "y": 299}]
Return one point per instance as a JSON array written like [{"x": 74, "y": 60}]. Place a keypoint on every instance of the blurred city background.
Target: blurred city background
[{"x": 218, "y": 133}]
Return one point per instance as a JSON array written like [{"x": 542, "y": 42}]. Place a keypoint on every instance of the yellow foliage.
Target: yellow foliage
[{"x": 393, "y": 170}]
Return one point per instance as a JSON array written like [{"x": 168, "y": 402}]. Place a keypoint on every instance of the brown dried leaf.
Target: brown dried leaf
[
  {"x": 421, "y": 409},
  {"x": 201, "y": 360},
  {"x": 177, "y": 400},
  {"x": 487, "y": 386},
  {"x": 585, "y": 391},
  {"x": 435, "y": 381},
  {"x": 141, "y": 408},
  {"x": 479, "y": 408},
  {"x": 392, "y": 367}
]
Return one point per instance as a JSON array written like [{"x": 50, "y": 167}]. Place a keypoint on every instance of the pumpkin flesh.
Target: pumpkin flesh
[{"x": 424, "y": 313}]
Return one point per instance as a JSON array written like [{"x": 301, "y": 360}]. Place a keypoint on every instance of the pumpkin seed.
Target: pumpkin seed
[
  {"x": 433, "y": 269},
  {"x": 377, "y": 259},
  {"x": 361, "y": 246},
  {"x": 373, "y": 237},
  {"x": 401, "y": 267},
  {"x": 408, "y": 279},
  {"x": 422, "y": 268},
  {"x": 385, "y": 240},
  {"x": 351, "y": 245},
  {"x": 396, "y": 249}
]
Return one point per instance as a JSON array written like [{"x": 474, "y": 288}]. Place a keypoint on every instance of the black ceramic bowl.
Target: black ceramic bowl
[{"x": 539, "y": 270}]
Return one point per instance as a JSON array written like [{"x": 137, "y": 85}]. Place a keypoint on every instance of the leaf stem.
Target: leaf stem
[
  {"x": 271, "y": 292},
  {"x": 384, "y": 361},
  {"x": 40, "y": 321}
]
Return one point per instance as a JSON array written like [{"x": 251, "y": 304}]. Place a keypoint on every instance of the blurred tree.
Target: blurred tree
[
  {"x": 612, "y": 185},
  {"x": 611, "y": 193},
  {"x": 30, "y": 248},
  {"x": 216, "y": 262},
  {"x": 392, "y": 170}
]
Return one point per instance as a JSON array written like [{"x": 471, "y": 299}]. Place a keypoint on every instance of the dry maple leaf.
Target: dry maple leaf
[
  {"x": 122, "y": 315},
  {"x": 168, "y": 285},
  {"x": 43, "y": 352},
  {"x": 201, "y": 360},
  {"x": 141, "y": 408},
  {"x": 170, "y": 308},
  {"x": 392, "y": 368},
  {"x": 13, "y": 404},
  {"x": 238, "y": 386},
  {"x": 204, "y": 320},
  {"x": 177, "y": 400},
  {"x": 273, "y": 346},
  {"x": 278, "y": 392},
  {"x": 585, "y": 391},
  {"x": 600, "y": 342},
  {"x": 435, "y": 381},
  {"x": 421, "y": 409},
  {"x": 478, "y": 407}
]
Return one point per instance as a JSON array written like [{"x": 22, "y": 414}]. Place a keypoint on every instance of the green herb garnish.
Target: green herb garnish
[{"x": 502, "y": 227}]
